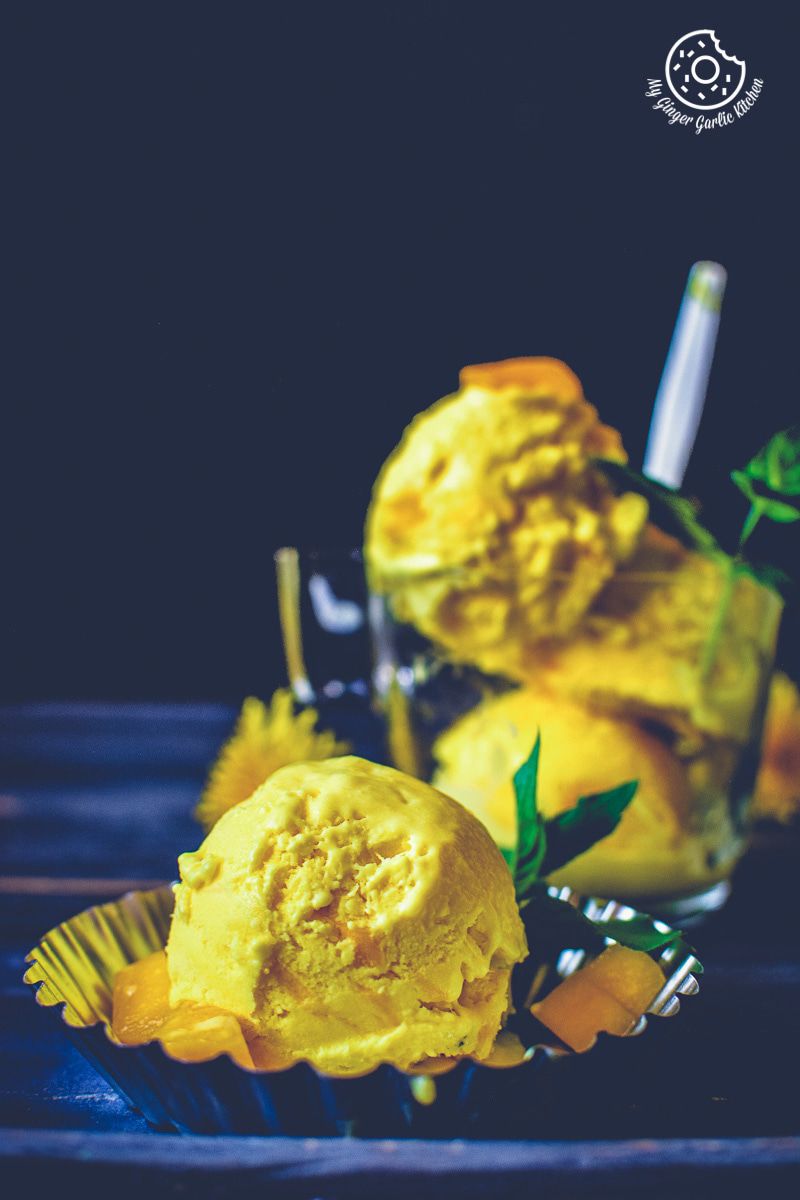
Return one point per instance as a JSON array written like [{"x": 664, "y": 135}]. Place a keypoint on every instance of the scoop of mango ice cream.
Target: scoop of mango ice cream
[
  {"x": 348, "y": 915},
  {"x": 657, "y": 848},
  {"x": 489, "y": 528}
]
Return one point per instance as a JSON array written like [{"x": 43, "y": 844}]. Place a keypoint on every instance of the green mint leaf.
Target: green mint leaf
[
  {"x": 531, "y": 845},
  {"x": 744, "y": 482},
  {"x": 544, "y": 846},
  {"x": 641, "y": 933},
  {"x": 767, "y": 480},
  {"x": 593, "y": 818},
  {"x": 526, "y": 878},
  {"x": 777, "y": 465},
  {"x": 783, "y": 463},
  {"x": 670, "y": 511},
  {"x": 765, "y": 505},
  {"x": 554, "y": 925},
  {"x": 780, "y": 511}
]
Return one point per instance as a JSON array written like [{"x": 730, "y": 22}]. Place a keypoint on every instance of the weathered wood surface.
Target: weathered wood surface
[{"x": 95, "y": 799}]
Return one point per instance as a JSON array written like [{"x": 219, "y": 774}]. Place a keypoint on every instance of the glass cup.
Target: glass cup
[
  {"x": 665, "y": 681},
  {"x": 322, "y": 606},
  {"x": 335, "y": 644}
]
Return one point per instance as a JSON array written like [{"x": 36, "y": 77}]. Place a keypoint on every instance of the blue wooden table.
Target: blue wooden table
[{"x": 96, "y": 799}]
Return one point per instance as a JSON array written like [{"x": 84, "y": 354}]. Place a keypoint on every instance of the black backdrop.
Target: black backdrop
[{"x": 250, "y": 240}]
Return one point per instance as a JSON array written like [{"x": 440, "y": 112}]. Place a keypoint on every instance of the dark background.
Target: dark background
[{"x": 250, "y": 241}]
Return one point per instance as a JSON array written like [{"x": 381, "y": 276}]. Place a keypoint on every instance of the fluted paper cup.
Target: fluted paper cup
[{"x": 73, "y": 969}]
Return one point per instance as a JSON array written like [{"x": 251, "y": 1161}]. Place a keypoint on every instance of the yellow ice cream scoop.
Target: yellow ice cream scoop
[
  {"x": 488, "y": 525},
  {"x": 656, "y": 845},
  {"x": 348, "y": 915}
]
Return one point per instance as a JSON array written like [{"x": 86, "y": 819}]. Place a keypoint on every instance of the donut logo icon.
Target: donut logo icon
[{"x": 700, "y": 74}]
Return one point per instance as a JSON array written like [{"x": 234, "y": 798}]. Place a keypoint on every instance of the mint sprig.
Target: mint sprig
[
  {"x": 543, "y": 846},
  {"x": 527, "y": 856},
  {"x": 771, "y": 482},
  {"x": 554, "y": 925},
  {"x": 643, "y": 933},
  {"x": 575, "y": 831}
]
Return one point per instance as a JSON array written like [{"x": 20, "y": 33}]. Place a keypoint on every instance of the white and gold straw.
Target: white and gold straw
[{"x": 682, "y": 391}]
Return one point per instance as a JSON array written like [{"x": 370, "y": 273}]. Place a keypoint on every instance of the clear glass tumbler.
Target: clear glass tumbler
[{"x": 665, "y": 680}]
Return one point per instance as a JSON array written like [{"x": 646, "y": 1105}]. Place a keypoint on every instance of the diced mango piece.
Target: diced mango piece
[
  {"x": 141, "y": 1000},
  {"x": 142, "y": 1012},
  {"x": 195, "y": 1034},
  {"x": 608, "y": 995},
  {"x": 576, "y": 1011},
  {"x": 631, "y": 976}
]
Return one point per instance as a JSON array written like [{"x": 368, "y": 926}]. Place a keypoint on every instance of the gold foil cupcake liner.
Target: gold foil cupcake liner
[{"x": 73, "y": 969}]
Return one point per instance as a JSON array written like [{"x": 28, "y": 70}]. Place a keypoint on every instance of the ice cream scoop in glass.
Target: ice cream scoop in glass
[{"x": 530, "y": 593}]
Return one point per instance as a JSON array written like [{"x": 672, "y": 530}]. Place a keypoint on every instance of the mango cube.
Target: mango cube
[
  {"x": 608, "y": 995},
  {"x": 141, "y": 1000},
  {"x": 631, "y": 976},
  {"x": 142, "y": 1012},
  {"x": 195, "y": 1034}
]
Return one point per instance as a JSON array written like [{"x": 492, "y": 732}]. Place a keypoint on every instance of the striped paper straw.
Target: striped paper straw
[{"x": 682, "y": 391}]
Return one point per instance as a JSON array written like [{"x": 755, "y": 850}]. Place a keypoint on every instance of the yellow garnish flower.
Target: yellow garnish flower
[
  {"x": 265, "y": 738},
  {"x": 778, "y": 786}
]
